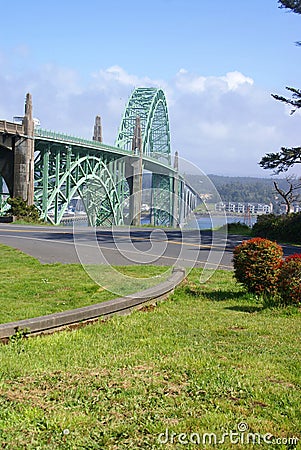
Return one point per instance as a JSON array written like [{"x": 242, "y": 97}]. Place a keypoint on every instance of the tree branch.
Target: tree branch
[
  {"x": 281, "y": 161},
  {"x": 293, "y": 5},
  {"x": 295, "y": 101}
]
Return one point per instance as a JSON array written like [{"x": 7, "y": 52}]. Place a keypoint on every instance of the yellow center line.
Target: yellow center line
[
  {"x": 81, "y": 244},
  {"x": 133, "y": 238}
]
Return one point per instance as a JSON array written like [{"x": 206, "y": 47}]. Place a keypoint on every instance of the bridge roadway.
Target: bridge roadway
[{"x": 121, "y": 246}]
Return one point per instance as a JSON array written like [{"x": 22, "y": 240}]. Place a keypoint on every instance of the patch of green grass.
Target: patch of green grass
[
  {"x": 237, "y": 228},
  {"x": 30, "y": 289},
  {"x": 32, "y": 222},
  {"x": 205, "y": 360}
]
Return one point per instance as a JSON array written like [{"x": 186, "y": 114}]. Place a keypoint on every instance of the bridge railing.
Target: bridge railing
[
  {"x": 10, "y": 127},
  {"x": 158, "y": 158},
  {"x": 62, "y": 137}
]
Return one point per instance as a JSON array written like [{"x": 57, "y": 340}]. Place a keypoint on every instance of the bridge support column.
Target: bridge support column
[
  {"x": 175, "y": 197},
  {"x": 135, "y": 185},
  {"x": 45, "y": 183},
  {"x": 57, "y": 183},
  {"x": 162, "y": 195},
  {"x": 24, "y": 158},
  {"x": 97, "y": 136}
]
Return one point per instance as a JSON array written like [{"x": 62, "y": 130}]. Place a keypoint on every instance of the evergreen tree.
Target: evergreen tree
[
  {"x": 286, "y": 157},
  {"x": 293, "y": 5}
]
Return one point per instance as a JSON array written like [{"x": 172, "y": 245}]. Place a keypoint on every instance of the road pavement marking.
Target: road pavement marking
[
  {"x": 108, "y": 249},
  {"x": 147, "y": 239}
]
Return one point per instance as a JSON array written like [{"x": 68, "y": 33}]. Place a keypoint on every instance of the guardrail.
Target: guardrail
[
  {"x": 123, "y": 305},
  {"x": 154, "y": 157},
  {"x": 68, "y": 139},
  {"x": 10, "y": 127}
]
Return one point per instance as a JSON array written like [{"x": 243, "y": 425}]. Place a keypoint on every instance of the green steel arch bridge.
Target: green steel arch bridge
[{"x": 53, "y": 169}]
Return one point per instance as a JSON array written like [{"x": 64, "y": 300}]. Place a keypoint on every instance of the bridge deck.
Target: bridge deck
[{"x": 51, "y": 136}]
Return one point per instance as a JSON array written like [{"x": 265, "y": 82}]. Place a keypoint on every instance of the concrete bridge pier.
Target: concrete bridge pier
[
  {"x": 135, "y": 185},
  {"x": 135, "y": 179},
  {"x": 24, "y": 158},
  {"x": 97, "y": 135},
  {"x": 175, "y": 197}
]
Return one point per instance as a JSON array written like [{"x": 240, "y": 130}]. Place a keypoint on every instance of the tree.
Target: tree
[
  {"x": 286, "y": 157},
  {"x": 20, "y": 209},
  {"x": 289, "y": 196},
  {"x": 294, "y": 5},
  {"x": 283, "y": 160},
  {"x": 295, "y": 101}
]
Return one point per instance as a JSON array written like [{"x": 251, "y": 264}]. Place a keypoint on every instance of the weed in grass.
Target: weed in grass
[{"x": 19, "y": 335}]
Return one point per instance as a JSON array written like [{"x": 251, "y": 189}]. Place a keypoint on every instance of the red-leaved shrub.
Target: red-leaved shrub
[
  {"x": 257, "y": 265},
  {"x": 289, "y": 283}
]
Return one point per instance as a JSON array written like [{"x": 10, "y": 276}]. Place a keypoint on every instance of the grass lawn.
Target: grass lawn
[
  {"x": 30, "y": 289},
  {"x": 210, "y": 359}
]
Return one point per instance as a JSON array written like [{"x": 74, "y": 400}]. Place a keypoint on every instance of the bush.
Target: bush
[
  {"x": 20, "y": 209},
  {"x": 289, "y": 284},
  {"x": 268, "y": 226},
  {"x": 257, "y": 265},
  {"x": 292, "y": 228},
  {"x": 281, "y": 228},
  {"x": 238, "y": 228}
]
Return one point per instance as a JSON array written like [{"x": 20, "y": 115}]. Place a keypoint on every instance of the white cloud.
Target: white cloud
[
  {"x": 215, "y": 130},
  {"x": 22, "y": 51},
  {"x": 223, "y": 124},
  {"x": 121, "y": 76},
  {"x": 187, "y": 82},
  {"x": 118, "y": 75},
  {"x": 236, "y": 79}
]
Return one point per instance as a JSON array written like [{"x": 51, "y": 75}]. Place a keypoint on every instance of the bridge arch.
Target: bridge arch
[
  {"x": 149, "y": 104},
  {"x": 61, "y": 174}
]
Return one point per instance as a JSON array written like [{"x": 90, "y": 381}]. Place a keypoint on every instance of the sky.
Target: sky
[{"x": 218, "y": 63}]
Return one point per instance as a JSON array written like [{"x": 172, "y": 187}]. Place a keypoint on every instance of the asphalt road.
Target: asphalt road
[{"x": 122, "y": 246}]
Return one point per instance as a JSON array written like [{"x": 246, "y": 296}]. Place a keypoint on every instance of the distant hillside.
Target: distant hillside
[
  {"x": 238, "y": 189},
  {"x": 234, "y": 189}
]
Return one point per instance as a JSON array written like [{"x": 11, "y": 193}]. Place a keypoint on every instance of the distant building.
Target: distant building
[
  {"x": 244, "y": 208},
  {"x": 295, "y": 208}
]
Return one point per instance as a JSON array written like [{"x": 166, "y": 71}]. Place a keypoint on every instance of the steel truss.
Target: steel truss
[
  {"x": 64, "y": 172},
  {"x": 4, "y": 207},
  {"x": 150, "y": 105},
  {"x": 162, "y": 200}
]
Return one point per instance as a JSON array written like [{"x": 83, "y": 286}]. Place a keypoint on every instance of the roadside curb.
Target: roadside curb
[{"x": 122, "y": 305}]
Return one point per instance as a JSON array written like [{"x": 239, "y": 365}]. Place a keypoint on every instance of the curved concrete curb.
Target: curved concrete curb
[{"x": 121, "y": 305}]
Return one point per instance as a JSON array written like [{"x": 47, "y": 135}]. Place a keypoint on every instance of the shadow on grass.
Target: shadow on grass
[
  {"x": 246, "y": 308},
  {"x": 219, "y": 296}
]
